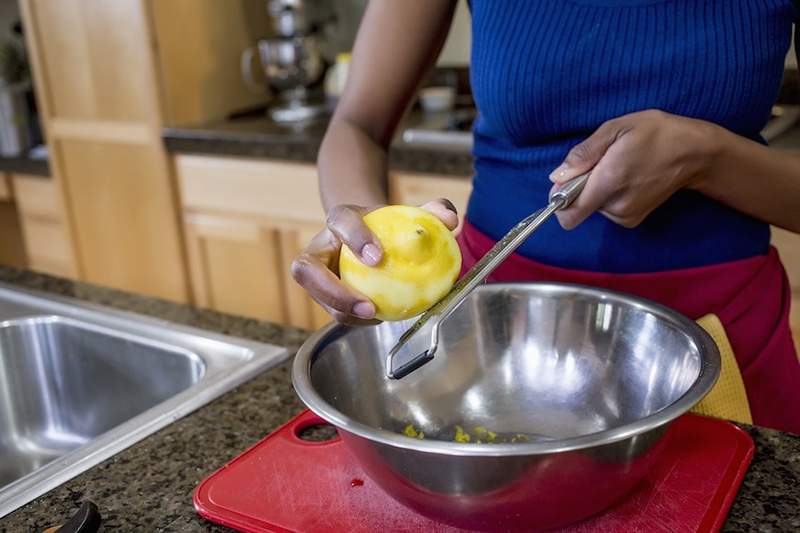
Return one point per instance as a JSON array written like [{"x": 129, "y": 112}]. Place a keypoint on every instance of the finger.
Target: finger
[
  {"x": 328, "y": 290},
  {"x": 344, "y": 318},
  {"x": 444, "y": 210},
  {"x": 325, "y": 246},
  {"x": 585, "y": 155},
  {"x": 599, "y": 188},
  {"x": 347, "y": 224}
]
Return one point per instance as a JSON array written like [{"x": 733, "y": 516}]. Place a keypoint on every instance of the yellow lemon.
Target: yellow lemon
[{"x": 420, "y": 262}]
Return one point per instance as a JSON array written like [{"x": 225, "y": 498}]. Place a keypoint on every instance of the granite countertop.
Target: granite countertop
[
  {"x": 149, "y": 486},
  {"x": 26, "y": 165},
  {"x": 255, "y": 135}
]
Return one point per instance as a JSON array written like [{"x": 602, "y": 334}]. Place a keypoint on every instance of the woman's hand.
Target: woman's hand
[
  {"x": 637, "y": 162},
  {"x": 316, "y": 268}
]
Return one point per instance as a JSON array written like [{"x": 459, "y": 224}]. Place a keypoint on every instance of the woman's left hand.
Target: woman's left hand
[{"x": 637, "y": 162}]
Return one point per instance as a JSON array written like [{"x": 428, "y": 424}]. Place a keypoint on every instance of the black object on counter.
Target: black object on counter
[{"x": 86, "y": 520}]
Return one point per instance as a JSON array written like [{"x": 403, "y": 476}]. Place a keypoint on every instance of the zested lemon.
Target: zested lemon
[{"x": 420, "y": 262}]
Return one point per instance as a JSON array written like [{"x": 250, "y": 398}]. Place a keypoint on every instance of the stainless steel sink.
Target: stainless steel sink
[{"x": 79, "y": 383}]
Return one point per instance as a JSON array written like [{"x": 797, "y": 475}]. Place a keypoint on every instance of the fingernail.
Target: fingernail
[
  {"x": 560, "y": 173},
  {"x": 364, "y": 310},
  {"x": 371, "y": 254}
]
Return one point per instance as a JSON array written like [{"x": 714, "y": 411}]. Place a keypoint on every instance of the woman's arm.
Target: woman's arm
[
  {"x": 760, "y": 181},
  {"x": 741, "y": 165},
  {"x": 640, "y": 160},
  {"x": 397, "y": 43}
]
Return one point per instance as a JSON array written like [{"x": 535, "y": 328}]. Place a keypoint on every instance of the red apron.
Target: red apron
[{"x": 751, "y": 297}]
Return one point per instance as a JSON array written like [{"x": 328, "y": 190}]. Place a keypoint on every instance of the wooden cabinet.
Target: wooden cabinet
[
  {"x": 242, "y": 266},
  {"x": 235, "y": 266},
  {"x": 108, "y": 76},
  {"x": 788, "y": 245},
  {"x": 12, "y": 248},
  {"x": 98, "y": 94},
  {"x": 246, "y": 220},
  {"x": 200, "y": 43},
  {"x": 43, "y": 226},
  {"x": 5, "y": 188}
]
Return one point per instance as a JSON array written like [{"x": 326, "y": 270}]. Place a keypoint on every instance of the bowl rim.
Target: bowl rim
[{"x": 709, "y": 373}]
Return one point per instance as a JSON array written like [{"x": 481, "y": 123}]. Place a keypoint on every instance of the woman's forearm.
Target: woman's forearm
[
  {"x": 754, "y": 179},
  {"x": 397, "y": 44},
  {"x": 352, "y": 167}
]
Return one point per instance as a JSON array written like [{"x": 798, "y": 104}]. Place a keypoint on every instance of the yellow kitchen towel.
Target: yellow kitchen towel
[{"x": 727, "y": 398}]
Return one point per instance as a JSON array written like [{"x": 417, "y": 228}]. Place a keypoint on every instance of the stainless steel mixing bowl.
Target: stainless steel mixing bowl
[{"x": 593, "y": 378}]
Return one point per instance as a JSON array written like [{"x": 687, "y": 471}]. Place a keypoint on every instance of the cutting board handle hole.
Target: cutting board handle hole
[{"x": 316, "y": 431}]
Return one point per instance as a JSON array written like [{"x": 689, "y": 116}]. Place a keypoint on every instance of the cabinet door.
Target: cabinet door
[
  {"x": 98, "y": 93},
  {"x": 236, "y": 267}
]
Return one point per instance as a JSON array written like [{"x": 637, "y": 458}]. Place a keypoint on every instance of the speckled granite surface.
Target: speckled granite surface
[
  {"x": 257, "y": 136},
  {"x": 148, "y": 487}
]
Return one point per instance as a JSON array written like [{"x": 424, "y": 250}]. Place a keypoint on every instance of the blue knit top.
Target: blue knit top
[{"x": 547, "y": 73}]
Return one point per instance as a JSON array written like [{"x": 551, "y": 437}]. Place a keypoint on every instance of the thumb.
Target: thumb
[
  {"x": 444, "y": 210},
  {"x": 585, "y": 155}
]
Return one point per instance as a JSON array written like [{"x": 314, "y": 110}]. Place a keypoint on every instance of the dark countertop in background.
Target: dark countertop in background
[
  {"x": 253, "y": 134},
  {"x": 148, "y": 487},
  {"x": 25, "y": 165},
  {"x": 258, "y": 136}
]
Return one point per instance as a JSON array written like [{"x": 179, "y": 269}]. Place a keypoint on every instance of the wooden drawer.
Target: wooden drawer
[
  {"x": 47, "y": 246},
  {"x": 37, "y": 196},
  {"x": 276, "y": 190}
]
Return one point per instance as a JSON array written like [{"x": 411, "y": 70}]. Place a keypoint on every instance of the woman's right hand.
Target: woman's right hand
[{"x": 316, "y": 268}]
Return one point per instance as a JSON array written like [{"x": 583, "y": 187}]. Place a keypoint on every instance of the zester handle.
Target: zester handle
[
  {"x": 570, "y": 190},
  {"x": 559, "y": 199}
]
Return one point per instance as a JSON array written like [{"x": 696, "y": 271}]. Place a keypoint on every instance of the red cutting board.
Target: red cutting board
[{"x": 286, "y": 484}]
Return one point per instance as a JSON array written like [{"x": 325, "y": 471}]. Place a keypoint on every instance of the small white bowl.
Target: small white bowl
[{"x": 436, "y": 99}]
